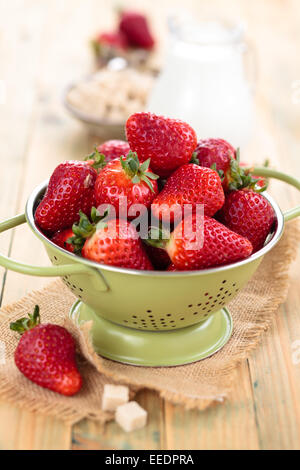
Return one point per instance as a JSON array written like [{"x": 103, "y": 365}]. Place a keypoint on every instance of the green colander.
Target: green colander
[{"x": 150, "y": 318}]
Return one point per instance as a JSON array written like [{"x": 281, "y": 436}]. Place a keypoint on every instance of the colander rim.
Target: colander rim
[{"x": 104, "y": 267}]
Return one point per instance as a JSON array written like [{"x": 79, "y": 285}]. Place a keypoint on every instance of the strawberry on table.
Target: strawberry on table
[
  {"x": 220, "y": 245},
  {"x": 250, "y": 214},
  {"x": 112, "y": 149},
  {"x": 190, "y": 184},
  {"x": 114, "y": 242},
  {"x": 126, "y": 178},
  {"x": 46, "y": 355},
  {"x": 169, "y": 143},
  {"x": 70, "y": 189},
  {"x": 135, "y": 27}
]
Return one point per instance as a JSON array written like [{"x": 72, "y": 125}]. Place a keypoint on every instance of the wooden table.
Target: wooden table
[{"x": 43, "y": 46}]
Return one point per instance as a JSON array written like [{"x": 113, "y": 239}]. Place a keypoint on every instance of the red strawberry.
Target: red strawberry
[
  {"x": 114, "y": 242},
  {"x": 61, "y": 238},
  {"x": 249, "y": 214},
  {"x": 114, "y": 39},
  {"x": 220, "y": 245},
  {"x": 169, "y": 143},
  {"x": 172, "y": 268},
  {"x": 190, "y": 184},
  {"x": 46, "y": 355},
  {"x": 70, "y": 189},
  {"x": 126, "y": 178},
  {"x": 135, "y": 27},
  {"x": 112, "y": 149},
  {"x": 221, "y": 156}
]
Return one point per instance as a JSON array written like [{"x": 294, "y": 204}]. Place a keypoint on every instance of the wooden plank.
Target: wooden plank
[
  {"x": 94, "y": 436},
  {"x": 276, "y": 390},
  {"x": 23, "y": 430},
  {"x": 46, "y": 147},
  {"x": 20, "y": 46},
  {"x": 226, "y": 426},
  {"x": 276, "y": 382}
]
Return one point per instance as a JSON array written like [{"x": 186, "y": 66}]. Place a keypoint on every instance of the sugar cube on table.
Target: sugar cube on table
[
  {"x": 114, "y": 396},
  {"x": 131, "y": 416}
]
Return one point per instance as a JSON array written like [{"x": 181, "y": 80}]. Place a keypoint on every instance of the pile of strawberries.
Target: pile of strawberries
[{"x": 155, "y": 175}]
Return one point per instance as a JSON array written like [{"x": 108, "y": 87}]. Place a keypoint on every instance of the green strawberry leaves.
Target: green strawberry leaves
[
  {"x": 220, "y": 172},
  {"x": 157, "y": 237},
  {"x": 27, "y": 323},
  {"x": 86, "y": 227},
  {"x": 99, "y": 159},
  {"x": 195, "y": 159},
  {"x": 242, "y": 178},
  {"x": 136, "y": 171}
]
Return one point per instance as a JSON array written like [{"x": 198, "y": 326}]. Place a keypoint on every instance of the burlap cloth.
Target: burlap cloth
[{"x": 197, "y": 385}]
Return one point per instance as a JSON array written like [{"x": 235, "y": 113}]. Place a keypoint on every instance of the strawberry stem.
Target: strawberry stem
[
  {"x": 157, "y": 237},
  {"x": 136, "y": 171},
  {"x": 99, "y": 159},
  {"x": 194, "y": 159},
  {"x": 242, "y": 178},
  {"x": 27, "y": 323},
  {"x": 85, "y": 228}
]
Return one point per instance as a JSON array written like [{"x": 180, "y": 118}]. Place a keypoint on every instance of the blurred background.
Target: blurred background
[{"x": 68, "y": 80}]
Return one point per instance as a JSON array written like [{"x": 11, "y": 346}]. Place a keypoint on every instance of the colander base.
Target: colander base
[{"x": 155, "y": 348}]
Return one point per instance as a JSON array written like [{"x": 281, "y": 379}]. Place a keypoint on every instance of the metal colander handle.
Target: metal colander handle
[
  {"x": 48, "y": 271},
  {"x": 268, "y": 172}
]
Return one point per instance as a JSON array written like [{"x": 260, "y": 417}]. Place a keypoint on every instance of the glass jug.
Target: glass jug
[{"x": 204, "y": 81}]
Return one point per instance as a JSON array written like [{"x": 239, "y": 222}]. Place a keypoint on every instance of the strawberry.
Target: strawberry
[
  {"x": 220, "y": 245},
  {"x": 124, "y": 181},
  {"x": 70, "y": 189},
  {"x": 172, "y": 267},
  {"x": 221, "y": 156},
  {"x": 61, "y": 238},
  {"x": 169, "y": 143},
  {"x": 112, "y": 149},
  {"x": 159, "y": 258},
  {"x": 46, "y": 355},
  {"x": 190, "y": 184},
  {"x": 135, "y": 27},
  {"x": 109, "y": 40},
  {"x": 249, "y": 214},
  {"x": 114, "y": 242}
]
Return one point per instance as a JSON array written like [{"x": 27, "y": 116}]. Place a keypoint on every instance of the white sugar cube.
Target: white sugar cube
[
  {"x": 131, "y": 416},
  {"x": 114, "y": 396}
]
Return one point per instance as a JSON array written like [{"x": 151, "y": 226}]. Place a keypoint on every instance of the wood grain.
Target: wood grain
[{"x": 43, "y": 46}]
